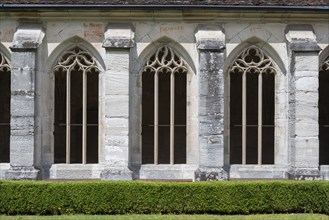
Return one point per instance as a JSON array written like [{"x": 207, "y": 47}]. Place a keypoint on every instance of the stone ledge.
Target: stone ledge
[
  {"x": 22, "y": 173},
  {"x": 324, "y": 171},
  {"x": 258, "y": 172},
  {"x": 116, "y": 173},
  {"x": 75, "y": 171},
  {"x": 305, "y": 173},
  {"x": 4, "y": 167},
  {"x": 167, "y": 172}
]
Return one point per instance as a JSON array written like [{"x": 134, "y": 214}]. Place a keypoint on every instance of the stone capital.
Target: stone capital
[
  {"x": 210, "y": 37},
  {"x": 301, "y": 38},
  {"x": 119, "y": 36},
  {"x": 27, "y": 37}
]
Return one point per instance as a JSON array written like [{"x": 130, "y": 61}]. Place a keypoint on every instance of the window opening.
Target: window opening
[
  {"x": 252, "y": 80},
  {"x": 76, "y": 108},
  {"x": 164, "y": 108},
  {"x": 324, "y": 113},
  {"x": 4, "y": 109}
]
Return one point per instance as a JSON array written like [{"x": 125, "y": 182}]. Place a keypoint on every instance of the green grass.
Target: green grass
[{"x": 172, "y": 217}]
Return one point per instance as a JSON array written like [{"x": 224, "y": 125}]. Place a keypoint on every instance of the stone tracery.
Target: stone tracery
[
  {"x": 4, "y": 63},
  {"x": 253, "y": 60},
  {"x": 325, "y": 65}
]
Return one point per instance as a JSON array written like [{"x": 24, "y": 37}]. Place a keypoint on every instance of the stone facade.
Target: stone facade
[{"x": 121, "y": 42}]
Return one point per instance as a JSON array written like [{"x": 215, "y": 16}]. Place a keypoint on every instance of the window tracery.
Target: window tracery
[
  {"x": 164, "y": 107},
  {"x": 252, "y": 77},
  {"x": 76, "y": 107},
  {"x": 325, "y": 65}
]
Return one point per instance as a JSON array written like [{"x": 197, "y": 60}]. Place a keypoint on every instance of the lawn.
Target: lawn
[{"x": 172, "y": 217}]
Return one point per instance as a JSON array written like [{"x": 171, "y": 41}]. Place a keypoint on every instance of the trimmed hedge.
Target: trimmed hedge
[{"x": 120, "y": 197}]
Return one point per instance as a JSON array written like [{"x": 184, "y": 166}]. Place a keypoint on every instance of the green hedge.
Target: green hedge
[{"x": 106, "y": 197}]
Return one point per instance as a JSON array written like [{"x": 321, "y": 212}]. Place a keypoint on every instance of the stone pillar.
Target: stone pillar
[
  {"x": 119, "y": 38},
  {"x": 27, "y": 39},
  {"x": 303, "y": 102},
  {"x": 211, "y": 44}
]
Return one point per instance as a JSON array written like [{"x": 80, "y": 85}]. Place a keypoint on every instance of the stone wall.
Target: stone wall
[{"x": 209, "y": 43}]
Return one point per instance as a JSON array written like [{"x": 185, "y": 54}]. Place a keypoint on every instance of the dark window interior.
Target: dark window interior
[{"x": 4, "y": 115}]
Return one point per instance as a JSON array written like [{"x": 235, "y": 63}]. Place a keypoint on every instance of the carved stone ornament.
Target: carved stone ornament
[
  {"x": 76, "y": 59},
  {"x": 325, "y": 65},
  {"x": 253, "y": 60},
  {"x": 4, "y": 63},
  {"x": 165, "y": 60}
]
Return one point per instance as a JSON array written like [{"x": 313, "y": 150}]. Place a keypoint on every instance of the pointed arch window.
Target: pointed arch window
[
  {"x": 4, "y": 109},
  {"x": 324, "y": 113},
  {"x": 252, "y": 89},
  {"x": 76, "y": 108},
  {"x": 164, "y": 79}
]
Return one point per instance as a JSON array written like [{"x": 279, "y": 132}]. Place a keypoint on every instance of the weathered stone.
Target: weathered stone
[
  {"x": 118, "y": 39},
  {"x": 303, "y": 112},
  {"x": 28, "y": 37},
  {"x": 301, "y": 37},
  {"x": 210, "y": 174},
  {"x": 324, "y": 171},
  {"x": 210, "y": 41},
  {"x": 116, "y": 173},
  {"x": 167, "y": 172},
  {"x": 119, "y": 36},
  {"x": 305, "y": 174},
  {"x": 259, "y": 172},
  {"x": 210, "y": 37},
  {"x": 22, "y": 173},
  {"x": 75, "y": 171}
]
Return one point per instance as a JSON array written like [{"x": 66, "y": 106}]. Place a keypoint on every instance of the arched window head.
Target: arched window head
[
  {"x": 76, "y": 59},
  {"x": 252, "y": 106},
  {"x": 165, "y": 60},
  {"x": 4, "y": 63},
  {"x": 164, "y": 95},
  {"x": 325, "y": 65},
  {"x": 253, "y": 60},
  {"x": 76, "y": 108},
  {"x": 4, "y": 108}
]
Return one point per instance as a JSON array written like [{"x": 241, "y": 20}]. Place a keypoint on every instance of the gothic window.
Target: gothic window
[
  {"x": 252, "y": 80},
  {"x": 4, "y": 109},
  {"x": 164, "y": 108},
  {"x": 324, "y": 113},
  {"x": 76, "y": 108}
]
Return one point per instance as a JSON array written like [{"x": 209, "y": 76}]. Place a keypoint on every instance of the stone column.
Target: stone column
[
  {"x": 303, "y": 102},
  {"x": 27, "y": 39},
  {"x": 211, "y": 44},
  {"x": 119, "y": 38}
]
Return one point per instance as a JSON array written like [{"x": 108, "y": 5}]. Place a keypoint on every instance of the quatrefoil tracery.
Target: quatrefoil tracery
[{"x": 253, "y": 60}]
